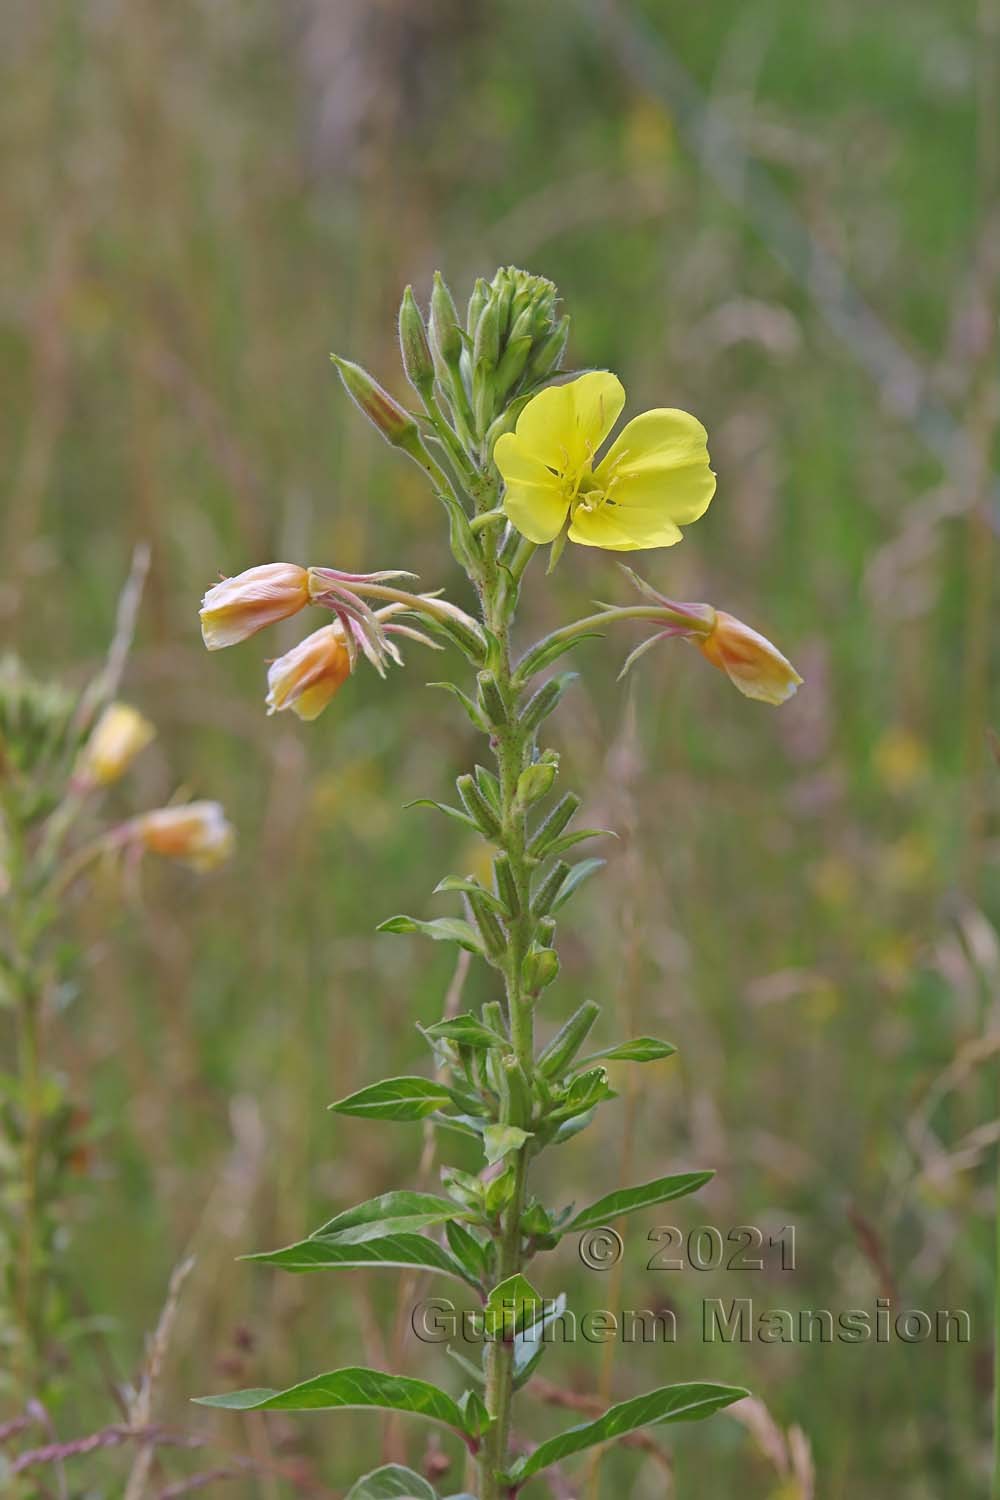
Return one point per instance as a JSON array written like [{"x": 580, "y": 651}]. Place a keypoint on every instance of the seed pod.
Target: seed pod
[
  {"x": 567, "y": 1042},
  {"x": 541, "y": 704},
  {"x": 413, "y": 345},
  {"x": 554, "y": 824},
  {"x": 506, "y": 885},
  {"x": 477, "y": 807},
  {"x": 518, "y": 1091},
  {"x": 491, "y": 700},
  {"x": 543, "y": 899},
  {"x": 493, "y": 936}
]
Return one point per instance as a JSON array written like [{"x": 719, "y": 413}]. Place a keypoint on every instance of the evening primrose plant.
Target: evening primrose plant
[{"x": 513, "y": 452}]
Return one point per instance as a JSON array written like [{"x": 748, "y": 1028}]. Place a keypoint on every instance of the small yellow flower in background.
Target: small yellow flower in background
[
  {"x": 196, "y": 833},
  {"x": 119, "y": 735},
  {"x": 238, "y": 607},
  {"x": 307, "y": 676},
  {"x": 748, "y": 659},
  {"x": 653, "y": 479}
]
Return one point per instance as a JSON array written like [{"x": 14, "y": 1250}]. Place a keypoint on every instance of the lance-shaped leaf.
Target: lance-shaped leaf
[
  {"x": 401, "y": 1099},
  {"x": 630, "y": 1200},
  {"x": 321, "y": 1254},
  {"x": 456, "y": 815},
  {"x": 577, "y": 875},
  {"x": 389, "y": 1213},
  {"x": 672, "y": 1403},
  {"x": 352, "y": 1389},
  {"x": 392, "y": 1482},
  {"x": 530, "y": 1344},
  {"x": 441, "y": 930},
  {"x": 465, "y": 885},
  {"x": 467, "y": 1031},
  {"x": 641, "y": 1049}
]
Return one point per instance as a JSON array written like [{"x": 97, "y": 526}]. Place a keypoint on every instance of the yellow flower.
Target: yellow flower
[
  {"x": 306, "y": 678},
  {"x": 653, "y": 479},
  {"x": 196, "y": 833},
  {"x": 749, "y": 660},
  {"x": 116, "y": 739},
  {"x": 238, "y": 607}
]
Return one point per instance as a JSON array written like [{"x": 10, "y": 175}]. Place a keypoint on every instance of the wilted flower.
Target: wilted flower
[
  {"x": 238, "y": 607},
  {"x": 197, "y": 833},
  {"x": 749, "y": 660},
  {"x": 119, "y": 735},
  {"x": 306, "y": 678},
  {"x": 653, "y": 479}
]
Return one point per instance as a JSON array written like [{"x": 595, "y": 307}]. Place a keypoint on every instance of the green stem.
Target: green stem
[
  {"x": 694, "y": 619},
  {"x": 512, "y": 746}
]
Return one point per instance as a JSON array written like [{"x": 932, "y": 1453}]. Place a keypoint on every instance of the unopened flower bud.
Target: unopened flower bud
[
  {"x": 415, "y": 349},
  {"x": 540, "y": 968},
  {"x": 544, "y": 898},
  {"x": 307, "y": 676},
  {"x": 116, "y": 739},
  {"x": 491, "y": 700},
  {"x": 564, "y": 1046},
  {"x": 238, "y": 607},
  {"x": 535, "y": 782},
  {"x": 445, "y": 336},
  {"x": 749, "y": 660},
  {"x": 384, "y": 411},
  {"x": 196, "y": 833},
  {"x": 548, "y": 354}
]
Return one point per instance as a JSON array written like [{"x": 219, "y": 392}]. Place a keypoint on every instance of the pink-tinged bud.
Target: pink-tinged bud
[
  {"x": 392, "y": 420},
  {"x": 119, "y": 735},
  {"x": 238, "y": 607},
  {"x": 748, "y": 659},
  {"x": 306, "y": 678},
  {"x": 195, "y": 833}
]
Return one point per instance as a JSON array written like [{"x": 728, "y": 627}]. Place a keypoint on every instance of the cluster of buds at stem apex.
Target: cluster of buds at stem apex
[
  {"x": 305, "y": 678},
  {"x": 120, "y": 734},
  {"x": 195, "y": 833},
  {"x": 513, "y": 342},
  {"x": 753, "y": 664}
]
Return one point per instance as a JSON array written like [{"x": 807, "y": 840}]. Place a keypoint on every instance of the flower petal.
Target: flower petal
[
  {"x": 660, "y": 464},
  {"x": 564, "y": 425},
  {"x": 622, "y": 529},
  {"x": 533, "y": 497}
]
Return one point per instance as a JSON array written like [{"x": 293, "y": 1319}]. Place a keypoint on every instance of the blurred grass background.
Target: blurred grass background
[{"x": 200, "y": 201}]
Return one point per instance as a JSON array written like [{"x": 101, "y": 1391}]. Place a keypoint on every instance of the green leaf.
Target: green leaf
[
  {"x": 642, "y": 1049},
  {"x": 320, "y": 1253},
  {"x": 468, "y": 1031},
  {"x": 577, "y": 875},
  {"x": 548, "y": 651},
  {"x": 467, "y": 1249},
  {"x": 454, "y": 813},
  {"x": 471, "y": 708},
  {"x": 351, "y": 1389},
  {"x": 399, "y": 1099},
  {"x": 585, "y": 1092},
  {"x": 567, "y": 840},
  {"x": 569, "y": 1128},
  {"x": 499, "y": 1139},
  {"x": 474, "y": 1413},
  {"x": 511, "y": 1306},
  {"x": 441, "y": 930},
  {"x": 672, "y": 1403},
  {"x": 630, "y": 1200},
  {"x": 530, "y": 1344},
  {"x": 470, "y": 887},
  {"x": 392, "y": 1482},
  {"x": 390, "y": 1213}
]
